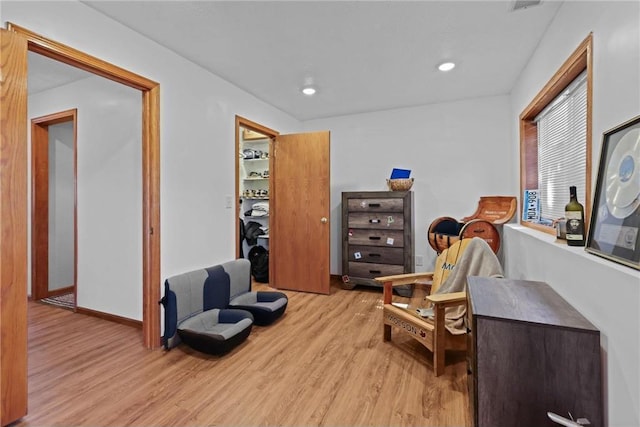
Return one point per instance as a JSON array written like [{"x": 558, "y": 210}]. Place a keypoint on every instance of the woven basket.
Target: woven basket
[{"x": 402, "y": 184}]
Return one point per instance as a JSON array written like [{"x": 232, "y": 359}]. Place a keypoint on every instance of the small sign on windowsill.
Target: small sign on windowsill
[{"x": 531, "y": 206}]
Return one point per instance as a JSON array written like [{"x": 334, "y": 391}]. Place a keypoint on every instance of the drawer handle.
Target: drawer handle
[
  {"x": 374, "y": 205},
  {"x": 374, "y": 237},
  {"x": 374, "y": 255},
  {"x": 374, "y": 221},
  {"x": 374, "y": 271}
]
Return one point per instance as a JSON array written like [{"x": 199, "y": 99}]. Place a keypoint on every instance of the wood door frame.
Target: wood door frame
[
  {"x": 272, "y": 134},
  {"x": 150, "y": 165},
  {"x": 13, "y": 227},
  {"x": 40, "y": 203}
]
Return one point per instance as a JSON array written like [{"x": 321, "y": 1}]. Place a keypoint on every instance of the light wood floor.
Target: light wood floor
[{"x": 323, "y": 364}]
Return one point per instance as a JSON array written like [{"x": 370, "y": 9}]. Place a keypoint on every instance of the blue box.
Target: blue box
[{"x": 400, "y": 173}]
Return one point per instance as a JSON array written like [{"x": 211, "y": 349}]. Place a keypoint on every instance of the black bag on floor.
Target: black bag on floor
[{"x": 259, "y": 259}]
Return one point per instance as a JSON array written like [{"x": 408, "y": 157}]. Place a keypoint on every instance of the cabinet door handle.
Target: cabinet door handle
[
  {"x": 374, "y": 205},
  {"x": 374, "y": 237},
  {"x": 374, "y": 255},
  {"x": 374, "y": 221},
  {"x": 374, "y": 271}
]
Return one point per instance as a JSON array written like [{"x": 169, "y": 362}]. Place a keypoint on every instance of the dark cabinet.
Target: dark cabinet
[
  {"x": 377, "y": 236},
  {"x": 529, "y": 352}
]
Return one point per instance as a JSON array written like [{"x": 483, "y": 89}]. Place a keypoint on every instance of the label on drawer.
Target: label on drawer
[
  {"x": 357, "y": 255},
  {"x": 390, "y": 241}
]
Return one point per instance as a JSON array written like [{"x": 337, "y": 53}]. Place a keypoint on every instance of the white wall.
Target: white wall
[
  {"x": 197, "y": 141},
  {"x": 61, "y": 204},
  {"x": 456, "y": 151},
  {"x": 606, "y": 293},
  {"x": 109, "y": 204}
]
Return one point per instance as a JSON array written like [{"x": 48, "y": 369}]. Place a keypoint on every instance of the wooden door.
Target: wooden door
[
  {"x": 40, "y": 204},
  {"x": 13, "y": 227},
  {"x": 300, "y": 231}
]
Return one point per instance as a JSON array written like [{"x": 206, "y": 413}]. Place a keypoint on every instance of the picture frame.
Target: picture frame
[{"x": 614, "y": 231}]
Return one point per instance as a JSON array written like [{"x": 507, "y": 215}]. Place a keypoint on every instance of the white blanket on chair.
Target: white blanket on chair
[{"x": 477, "y": 260}]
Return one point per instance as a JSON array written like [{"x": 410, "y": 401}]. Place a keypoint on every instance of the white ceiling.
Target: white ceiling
[
  {"x": 45, "y": 73},
  {"x": 362, "y": 55}
]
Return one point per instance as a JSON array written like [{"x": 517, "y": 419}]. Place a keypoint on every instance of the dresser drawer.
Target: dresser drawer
[
  {"x": 374, "y": 220},
  {"x": 376, "y": 254},
  {"x": 388, "y": 238},
  {"x": 376, "y": 205},
  {"x": 369, "y": 270}
]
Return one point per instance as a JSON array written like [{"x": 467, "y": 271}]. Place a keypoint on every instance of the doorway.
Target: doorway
[
  {"x": 53, "y": 201},
  {"x": 253, "y": 178},
  {"x": 296, "y": 192},
  {"x": 16, "y": 42},
  {"x": 150, "y": 92}
]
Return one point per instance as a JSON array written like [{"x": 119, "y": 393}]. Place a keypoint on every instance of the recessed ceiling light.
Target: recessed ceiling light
[
  {"x": 446, "y": 66},
  {"x": 308, "y": 90}
]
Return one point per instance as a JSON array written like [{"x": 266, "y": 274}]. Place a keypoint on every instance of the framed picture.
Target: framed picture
[{"x": 614, "y": 232}]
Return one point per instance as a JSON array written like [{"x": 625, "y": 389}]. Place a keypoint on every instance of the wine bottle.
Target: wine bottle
[{"x": 574, "y": 213}]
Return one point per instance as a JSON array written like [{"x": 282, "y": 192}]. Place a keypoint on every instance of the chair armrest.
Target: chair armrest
[
  {"x": 404, "y": 279},
  {"x": 399, "y": 279},
  {"x": 450, "y": 299}
]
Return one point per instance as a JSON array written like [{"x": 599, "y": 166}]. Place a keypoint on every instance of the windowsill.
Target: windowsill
[{"x": 576, "y": 250}]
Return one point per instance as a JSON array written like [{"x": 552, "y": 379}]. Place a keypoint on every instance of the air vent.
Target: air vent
[{"x": 522, "y": 4}]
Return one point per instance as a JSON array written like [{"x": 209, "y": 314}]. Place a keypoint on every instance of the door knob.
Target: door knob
[{"x": 324, "y": 220}]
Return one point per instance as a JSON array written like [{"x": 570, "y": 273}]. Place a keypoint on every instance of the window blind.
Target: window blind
[{"x": 562, "y": 156}]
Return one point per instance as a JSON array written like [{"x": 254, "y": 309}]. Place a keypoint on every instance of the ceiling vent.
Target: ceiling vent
[{"x": 522, "y": 4}]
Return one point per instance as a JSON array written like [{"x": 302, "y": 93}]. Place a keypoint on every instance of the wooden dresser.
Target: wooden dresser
[
  {"x": 377, "y": 237},
  {"x": 529, "y": 352}
]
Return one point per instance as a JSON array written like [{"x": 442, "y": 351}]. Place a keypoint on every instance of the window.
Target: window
[
  {"x": 562, "y": 156},
  {"x": 555, "y": 140}
]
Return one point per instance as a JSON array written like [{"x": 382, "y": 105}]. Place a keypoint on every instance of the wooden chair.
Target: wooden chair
[{"x": 430, "y": 331}]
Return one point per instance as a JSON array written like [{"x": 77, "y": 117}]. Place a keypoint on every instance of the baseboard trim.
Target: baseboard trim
[{"x": 110, "y": 317}]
